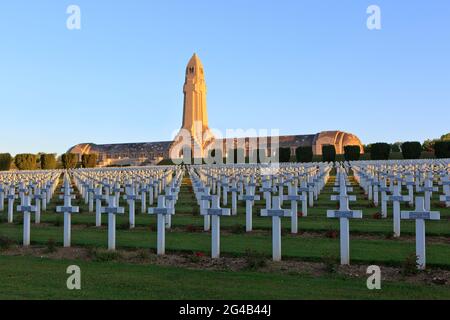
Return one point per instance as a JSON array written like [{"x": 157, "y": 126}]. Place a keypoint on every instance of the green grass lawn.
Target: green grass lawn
[
  {"x": 33, "y": 278},
  {"x": 36, "y": 278}
]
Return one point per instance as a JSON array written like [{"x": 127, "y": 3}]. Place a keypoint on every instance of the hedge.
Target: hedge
[
  {"x": 352, "y": 153},
  {"x": 411, "y": 150},
  {"x": 5, "y": 161},
  {"x": 442, "y": 149},
  {"x": 48, "y": 161},
  {"x": 69, "y": 160},
  {"x": 328, "y": 153},
  {"x": 304, "y": 154},
  {"x": 26, "y": 161},
  {"x": 284, "y": 155},
  {"x": 380, "y": 151},
  {"x": 89, "y": 160}
]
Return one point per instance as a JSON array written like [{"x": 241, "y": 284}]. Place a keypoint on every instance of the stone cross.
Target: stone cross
[
  {"x": 112, "y": 210},
  {"x": 161, "y": 212},
  {"x": 27, "y": 209},
  {"x": 428, "y": 189},
  {"x": 420, "y": 214},
  {"x": 410, "y": 186},
  {"x": 293, "y": 197},
  {"x": 343, "y": 214},
  {"x": 11, "y": 198},
  {"x": 249, "y": 200},
  {"x": 267, "y": 190},
  {"x": 131, "y": 197},
  {"x": 205, "y": 198},
  {"x": 98, "y": 197},
  {"x": 276, "y": 213},
  {"x": 143, "y": 190},
  {"x": 216, "y": 212},
  {"x": 234, "y": 190},
  {"x": 445, "y": 182},
  {"x": 396, "y": 199},
  {"x": 117, "y": 190},
  {"x": 384, "y": 189},
  {"x": 2, "y": 197},
  {"x": 67, "y": 210},
  {"x": 91, "y": 194},
  {"x": 171, "y": 199},
  {"x": 37, "y": 198},
  {"x": 304, "y": 189},
  {"x": 225, "y": 190}
]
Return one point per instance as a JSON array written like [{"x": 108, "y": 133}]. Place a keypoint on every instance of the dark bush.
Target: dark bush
[
  {"x": 284, "y": 154},
  {"x": 380, "y": 151},
  {"x": 352, "y": 153},
  {"x": 89, "y": 160},
  {"x": 442, "y": 149},
  {"x": 26, "y": 161},
  {"x": 69, "y": 160},
  {"x": 48, "y": 161},
  {"x": 411, "y": 150},
  {"x": 304, "y": 154},
  {"x": 328, "y": 153},
  {"x": 5, "y": 161}
]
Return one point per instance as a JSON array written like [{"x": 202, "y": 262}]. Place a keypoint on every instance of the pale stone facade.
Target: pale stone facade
[{"x": 195, "y": 124}]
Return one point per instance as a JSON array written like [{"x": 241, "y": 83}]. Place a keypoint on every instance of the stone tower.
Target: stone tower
[{"x": 195, "y": 114}]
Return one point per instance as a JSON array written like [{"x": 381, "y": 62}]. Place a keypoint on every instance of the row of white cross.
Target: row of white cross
[{"x": 213, "y": 184}]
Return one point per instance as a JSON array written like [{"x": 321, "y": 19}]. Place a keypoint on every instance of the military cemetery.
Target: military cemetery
[{"x": 212, "y": 216}]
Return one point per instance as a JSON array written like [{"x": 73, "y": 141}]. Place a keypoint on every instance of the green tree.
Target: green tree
[
  {"x": 380, "y": 151},
  {"x": 446, "y": 137},
  {"x": 69, "y": 160},
  {"x": 48, "y": 161},
  {"x": 396, "y": 147},
  {"x": 284, "y": 155},
  {"x": 5, "y": 161},
  {"x": 442, "y": 149},
  {"x": 328, "y": 153},
  {"x": 428, "y": 145},
  {"x": 411, "y": 150},
  {"x": 304, "y": 154},
  {"x": 89, "y": 160},
  {"x": 352, "y": 153},
  {"x": 26, "y": 161}
]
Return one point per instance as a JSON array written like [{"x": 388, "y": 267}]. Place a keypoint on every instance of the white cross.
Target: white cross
[
  {"x": 234, "y": 190},
  {"x": 428, "y": 189},
  {"x": 131, "y": 197},
  {"x": 396, "y": 198},
  {"x": 2, "y": 197},
  {"x": 304, "y": 189},
  {"x": 216, "y": 212},
  {"x": 384, "y": 189},
  {"x": 112, "y": 210},
  {"x": 249, "y": 200},
  {"x": 171, "y": 199},
  {"x": 67, "y": 210},
  {"x": 161, "y": 212},
  {"x": 276, "y": 213},
  {"x": 293, "y": 197},
  {"x": 27, "y": 209},
  {"x": 267, "y": 189},
  {"x": 11, "y": 198},
  {"x": 420, "y": 214},
  {"x": 343, "y": 214},
  {"x": 205, "y": 198}
]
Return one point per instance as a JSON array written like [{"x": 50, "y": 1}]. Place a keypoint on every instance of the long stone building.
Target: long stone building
[{"x": 195, "y": 127}]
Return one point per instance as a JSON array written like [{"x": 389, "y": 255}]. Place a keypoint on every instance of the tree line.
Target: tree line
[{"x": 46, "y": 161}]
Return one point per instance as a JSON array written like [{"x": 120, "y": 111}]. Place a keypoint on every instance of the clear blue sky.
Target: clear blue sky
[{"x": 298, "y": 66}]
